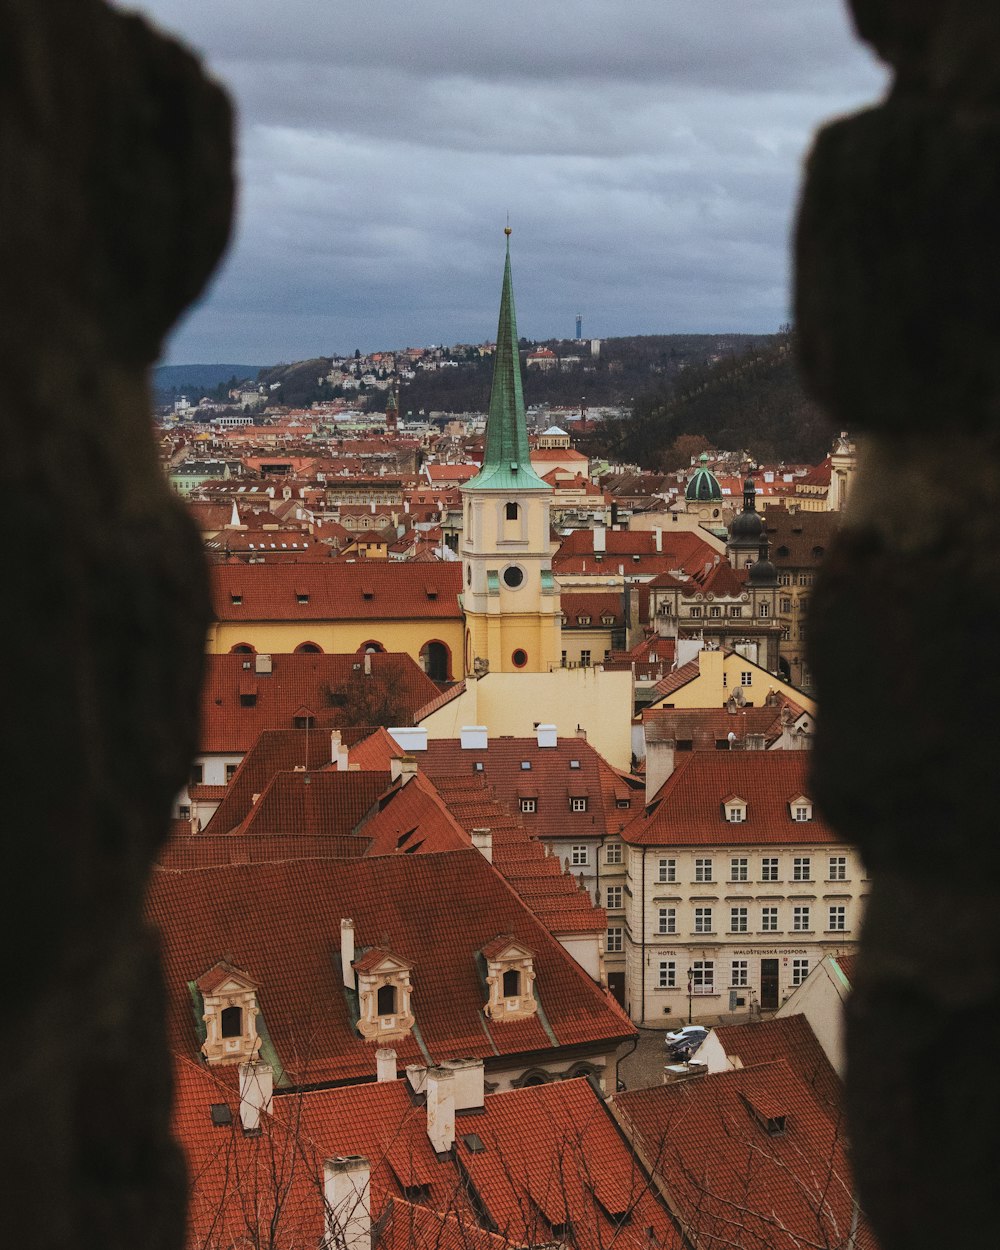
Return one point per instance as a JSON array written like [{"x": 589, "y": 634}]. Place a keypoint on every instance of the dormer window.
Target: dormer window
[
  {"x": 801, "y": 808},
  {"x": 607, "y": 620},
  {"x": 301, "y": 597},
  {"x": 229, "y": 1013},
  {"x": 510, "y": 979},
  {"x": 385, "y": 990},
  {"x": 583, "y": 620},
  {"x": 735, "y": 809}
]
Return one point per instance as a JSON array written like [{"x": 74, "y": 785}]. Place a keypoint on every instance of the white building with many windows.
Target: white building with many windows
[{"x": 735, "y": 888}]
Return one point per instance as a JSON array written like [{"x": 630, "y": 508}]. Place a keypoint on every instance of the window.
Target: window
[
  {"x": 563, "y": 654},
  {"x": 248, "y": 700},
  {"x": 614, "y": 896},
  {"x": 801, "y": 812},
  {"x": 785, "y": 605},
  {"x": 232, "y": 1021},
  {"x": 666, "y": 870},
  {"x": 668, "y": 975},
  {"x": 735, "y": 611},
  {"x": 838, "y": 867},
  {"x": 746, "y": 678},
  {"x": 386, "y": 1005},
  {"x": 763, "y": 609},
  {"x": 585, "y": 658},
  {"x": 703, "y": 976},
  {"x": 784, "y": 579},
  {"x": 695, "y": 612},
  {"x": 302, "y": 598},
  {"x": 583, "y": 620},
  {"x": 303, "y": 722},
  {"x": 801, "y": 868},
  {"x": 197, "y": 776},
  {"x": 513, "y": 576},
  {"x": 578, "y": 856},
  {"x": 714, "y": 611},
  {"x": 613, "y": 942},
  {"x": 574, "y": 763},
  {"x": 769, "y": 868},
  {"x": 838, "y": 918},
  {"x": 184, "y": 812},
  {"x": 529, "y": 805},
  {"x": 703, "y": 870},
  {"x": 526, "y": 766},
  {"x": 736, "y": 813},
  {"x": 623, "y": 804},
  {"x": 235, "y": 600},
  {"x": 800, "y": 918},
  {"x": 738, "y": 919},
  {"x": 667, "y": 920},
  {"x": 703, "y": 920},
  {"x": 805, "y": 579},
  {"x": 800, "y": 970},
  {"x": 739, "y": 870},
  {"x": 511, "y": 983},
  {"x": 510, "y": 511},
  {"x": 613, "y": 853},
  {"x": 786, "y": 634},
  {"x": 769, "y": 920},
  {"x": 578, "y": 805},
  {"x": 739, "y": 974},
  {"x": 231, "y": 772}
]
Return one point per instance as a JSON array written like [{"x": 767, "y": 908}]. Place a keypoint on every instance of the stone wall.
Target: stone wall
[
  {"x": 115, "y": 202},
  {"x": 898, "y": 270}
]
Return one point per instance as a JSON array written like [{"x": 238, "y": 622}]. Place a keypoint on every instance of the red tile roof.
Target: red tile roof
[
  {"x": 322, "y": 803},
  {"x": 281, "y": 922},
  {"x": 552, "y": 780},
  {"x": 705, "y": 727},
  {"x": 238, "y": 704},
  {"x": 750, "y": 1158},
  {"x": 336, "y": 591},
  {"x": 789, "y": 1038},
  {"x": 688, "y": 808}
]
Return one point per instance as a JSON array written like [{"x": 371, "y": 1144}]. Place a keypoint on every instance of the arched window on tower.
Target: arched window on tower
[{"x": 511, "y": 512}]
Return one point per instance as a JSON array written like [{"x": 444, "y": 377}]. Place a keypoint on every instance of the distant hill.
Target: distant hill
[
  {"x": 196, "y": 380},
  {"x": 753, "y": 400}
]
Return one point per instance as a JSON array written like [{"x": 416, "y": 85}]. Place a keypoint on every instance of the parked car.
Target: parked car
[{"x": 682, "y": 1043}]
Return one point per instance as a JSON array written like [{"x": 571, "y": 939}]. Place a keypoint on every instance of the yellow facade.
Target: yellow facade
[
  {"x": 340, "y": 637},
  {"x": 724, "y": 673}
]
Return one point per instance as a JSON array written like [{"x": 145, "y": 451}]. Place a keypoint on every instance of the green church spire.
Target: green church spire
[{"x": 506, "y": 457}]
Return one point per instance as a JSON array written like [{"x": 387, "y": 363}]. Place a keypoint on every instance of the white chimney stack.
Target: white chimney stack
[
  {"x": 482, "y": 840},
  {"x": 474, "y": 737},
  {"x": 548, "y": 735},
  {"x": 600, "y": 544},
  {"x": 338, "y": 752},
  {"x": 256, "y": 1088},
  {"x": 658, "y": 536},
  {"x": 347, "y": 1194},
  {"x": 403, "y": 768},
  {"x": 470, "y": 1083},
  {"x": 368, "y": 664},
  {"x": 409, "y": 740},
  {"x": 385, "y": 1063},
  {"x": 441, "y": 1109},
  {"x": 347, "y": 953}
]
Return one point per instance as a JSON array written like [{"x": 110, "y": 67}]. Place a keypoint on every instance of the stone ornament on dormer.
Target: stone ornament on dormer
[
  {"x": 510, "y": 979},
  {"x": 385, "y": 990},
  {"x": 230, "y": 1014}
]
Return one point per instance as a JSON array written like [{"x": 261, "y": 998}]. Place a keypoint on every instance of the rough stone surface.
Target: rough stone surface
[
  {"x": 897, "y": 272},
  {"x": 115, "y": 202}
]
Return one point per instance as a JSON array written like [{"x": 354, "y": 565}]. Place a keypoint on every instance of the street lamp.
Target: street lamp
[{"x": 690, "y": 992}]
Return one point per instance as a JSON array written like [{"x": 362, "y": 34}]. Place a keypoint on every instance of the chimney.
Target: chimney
[
  {"x": 416, "y": 1074},
  {"x": 347, "y": 1201},
  {"x": 753, "y": 742},
  {"x": 403, "y": 768},
  {"x": 470, "y": 1083},
  {"x": 262, "y": 663},
  {"x": 441, "y": 1109},
  {"x": 347, "y": 953},
  {"x": 548, "y": 735},
  {"x": 385, "y": 1063},
  {"x": 581, "y": 733},
  {"x": 660, "y": 763},
  {"x": 256, "y": 1088},
  {"x": 482, "y": 840},
  {"x": 409, "y": 740},
  {"x": 658, "y": 538},
  {"x": 368, "y": 664},
  {"x": 338, "y": 752},
  {"x": 474, "y": 737},
  {"x": 600, "y": 544},
  {"x": 633, "y": 634}
]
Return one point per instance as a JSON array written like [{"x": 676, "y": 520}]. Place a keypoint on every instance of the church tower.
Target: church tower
[{"x": 510, "y": 598}]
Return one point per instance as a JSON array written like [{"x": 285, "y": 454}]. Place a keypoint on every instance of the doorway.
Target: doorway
[{"x": 768, "y": 984}]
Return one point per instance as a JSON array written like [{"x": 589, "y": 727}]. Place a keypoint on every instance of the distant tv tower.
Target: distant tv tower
[{"x": 579, "y": 326}]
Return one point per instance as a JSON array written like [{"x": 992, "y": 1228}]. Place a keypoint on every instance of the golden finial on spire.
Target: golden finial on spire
[{"x": 506, "y": 228}]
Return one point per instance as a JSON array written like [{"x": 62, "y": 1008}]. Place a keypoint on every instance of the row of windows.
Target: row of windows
[
  {"x": 715, "y": 611},
  {"x": 701, "y": 979},
  {"x": 739, "y": 918},
  {"x": 529, "y": 806},
  {"x": 769, "y": 867},
  {"x": 786, "y": 579}
]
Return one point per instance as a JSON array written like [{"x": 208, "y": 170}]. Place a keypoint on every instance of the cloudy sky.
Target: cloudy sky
[{"x": 648, "y": 152}]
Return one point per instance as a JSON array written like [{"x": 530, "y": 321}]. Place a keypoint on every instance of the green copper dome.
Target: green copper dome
[
  {"x": 704, "y": 485},
  {"x": 506, "y": 458}
]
